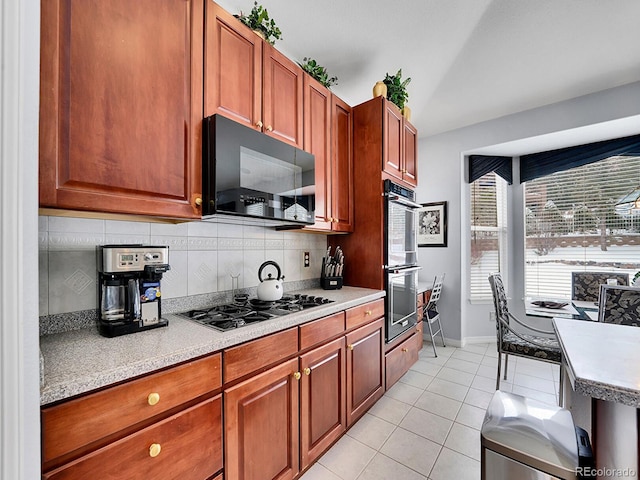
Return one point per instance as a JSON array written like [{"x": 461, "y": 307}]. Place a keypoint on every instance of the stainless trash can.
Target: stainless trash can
[{"x": 524, "y": 439}]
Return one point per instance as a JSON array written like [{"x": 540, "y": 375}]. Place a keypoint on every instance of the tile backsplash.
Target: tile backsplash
[{"x": 203, "y": 257}]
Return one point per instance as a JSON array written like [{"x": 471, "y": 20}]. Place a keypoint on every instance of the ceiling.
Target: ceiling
[{"x": 468, "y": 60}]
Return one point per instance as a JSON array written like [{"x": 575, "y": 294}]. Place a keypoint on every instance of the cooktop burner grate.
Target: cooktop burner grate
[{"x": 244, "y": 311}]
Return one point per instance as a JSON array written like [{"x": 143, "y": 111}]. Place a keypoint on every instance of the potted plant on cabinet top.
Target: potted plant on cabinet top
[
  {"x": 258, "y": 20},
  {"x": 318, "y": 72},
  {"x": 397, "y": 91}
]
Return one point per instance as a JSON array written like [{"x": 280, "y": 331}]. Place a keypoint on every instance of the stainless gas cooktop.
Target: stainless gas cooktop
[{"x": 244, "y": 311}]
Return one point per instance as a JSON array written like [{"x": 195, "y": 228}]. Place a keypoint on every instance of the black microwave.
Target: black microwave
[{"x": 250, "y": 174}]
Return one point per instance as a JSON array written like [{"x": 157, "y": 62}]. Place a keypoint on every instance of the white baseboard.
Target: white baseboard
[{"x": 461, "y": 343}]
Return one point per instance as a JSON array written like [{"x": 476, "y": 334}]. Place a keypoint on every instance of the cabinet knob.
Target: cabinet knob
[
  {"x": 259, "y": 124},
  {"x": 154, "y": 450},
  {"x": 405, "y": 349},
  {"x": 198, "y": 201},
  {"x": 350, "y": 347},
  {"x": 153, "y": 398},
  {"x": 307, "y": 371},
  {"x": 368, "y": 312},
  {"x": 269, "y": 128},
  {"x": 297, "y": 375}
]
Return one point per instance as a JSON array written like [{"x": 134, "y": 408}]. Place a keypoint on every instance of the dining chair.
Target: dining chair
[
  {"x": 619, "y": 305},
  {"x": 431, "y": 314},
  {"x": 512, "y": 342},
  {"x": 585, "y": 286}
]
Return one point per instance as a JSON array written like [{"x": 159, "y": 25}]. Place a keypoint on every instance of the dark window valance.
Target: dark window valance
[
  {"x": 545, "y": 163},
  {"x": 480, "y": 165}
]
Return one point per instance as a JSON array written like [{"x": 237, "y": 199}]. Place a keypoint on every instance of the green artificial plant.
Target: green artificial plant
[
  {"x": 258, "y": 20},
  {"x": 397, "y": 88},
  {"x": 318, "y": 72}
]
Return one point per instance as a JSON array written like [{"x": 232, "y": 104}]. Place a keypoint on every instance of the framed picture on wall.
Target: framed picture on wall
[{"x": 432, "y": 225}]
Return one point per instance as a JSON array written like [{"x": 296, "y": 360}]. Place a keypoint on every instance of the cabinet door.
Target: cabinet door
[
  {"x": 317, "y": 140},
  {"x": 282, "y": 97},
  {"x": 410, "y": 154},
  {"x": 342, "y": 166},
  {"x": 392, "y": 140},
  {"x": 322, "y": 399},
  {"x": 232, "y": 68},
  {"x": 261, "y": 425},
  {"x": 121, "y": 106},
  {"x": 365, "y": 373},
  {"x": 399, "y": 360}
]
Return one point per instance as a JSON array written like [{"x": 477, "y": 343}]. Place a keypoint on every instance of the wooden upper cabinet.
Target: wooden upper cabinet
[
  {"x": 327, "y": 134},
  {"x": 232, "y": 68},
  {"x": 393, "y": 136},
  {"x": 400, "y": 146},
  {"x": 317, "y": 140},
  {"x": 342, "y": 166},
  {"x": 121, "y": 106},
  {"x": 410, "y": 155},
  {"x": 281, "y": 97},
  {"x": 249, "y": 81}
]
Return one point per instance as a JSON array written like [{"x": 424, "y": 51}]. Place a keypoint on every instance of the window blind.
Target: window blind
[
  {"x": 579, "y": 220},
  {"x": 488, "y": 233}
]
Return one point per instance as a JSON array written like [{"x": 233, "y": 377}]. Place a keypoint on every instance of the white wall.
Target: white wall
[{"x": 442, "y": 177}]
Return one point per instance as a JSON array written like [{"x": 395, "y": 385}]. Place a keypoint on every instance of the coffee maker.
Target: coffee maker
[{"x": 129, "y": 288}]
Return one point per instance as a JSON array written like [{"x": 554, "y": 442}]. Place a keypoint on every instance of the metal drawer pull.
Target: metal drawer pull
[
  {"x": 259, "y": 124},
  {"x": 153, "y": 398},
  {"x": 368, "y": 312},
  {"x": 307, "y": 371},
  {"x": 405, "y": 349},
  {"x": 350, "y": 347},
  {"x": 154, "y": 450},
  {"x": 297, "y": 375}
]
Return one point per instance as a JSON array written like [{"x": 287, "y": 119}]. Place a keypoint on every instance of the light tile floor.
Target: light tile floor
[{"x": 427, "y": 426}]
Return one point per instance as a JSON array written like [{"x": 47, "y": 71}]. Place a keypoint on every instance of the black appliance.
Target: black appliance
[
  {"x": 129, "y": 288},
  {"x": 401, "y": 259},
  {"x": 244, "y": 311},
  {"x": 250, "y": 174}
]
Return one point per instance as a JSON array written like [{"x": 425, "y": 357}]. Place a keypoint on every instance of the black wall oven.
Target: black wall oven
[{"x": 401, "y": 259}]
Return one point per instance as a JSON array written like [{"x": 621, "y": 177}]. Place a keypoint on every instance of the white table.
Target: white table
[{"x": 602, "y": 363}]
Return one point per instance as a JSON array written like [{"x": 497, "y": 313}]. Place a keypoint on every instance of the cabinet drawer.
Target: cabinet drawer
[
  {"x": 365, "y": 313},
  {"x": 244, "y": 359},
  {"x": 398, "y": 360},
  {"x": 73, "y": 424},
  {"x": 317, "y": 331},
  {"x": 190, "y": 446}
]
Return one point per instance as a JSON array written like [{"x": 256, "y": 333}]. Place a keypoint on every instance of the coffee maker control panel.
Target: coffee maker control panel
[{"x": 131, "y": 258}]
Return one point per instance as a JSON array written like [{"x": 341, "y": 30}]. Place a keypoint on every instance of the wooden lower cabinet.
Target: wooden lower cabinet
[
  {"x": 365, "y": 370},
  {"x": 261, "y": 425},
  {"x": 400, "y": 358},
  {"x": 185, "y": 445},
  {"x": 322, "y": 399}
]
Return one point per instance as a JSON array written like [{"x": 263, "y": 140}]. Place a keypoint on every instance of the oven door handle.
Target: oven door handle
[
  {"x": 400, "y": 271},
  {"x": 403, "y": 201}
]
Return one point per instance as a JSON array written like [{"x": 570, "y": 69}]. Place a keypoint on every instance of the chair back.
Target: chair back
[
  {"x": 436, "y": 289},
  {"x": 499, "y": 302},
  {"x": 585, "y": 286},
  {"x": 619, "y": 305}
]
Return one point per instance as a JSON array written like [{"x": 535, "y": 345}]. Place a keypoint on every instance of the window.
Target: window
[
  {"x": 581, "y": 220},
  {"x": 488, "y": 233}
]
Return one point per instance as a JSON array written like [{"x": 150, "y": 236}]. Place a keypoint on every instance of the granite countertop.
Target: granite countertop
[
  {"x": 79, "y": 361},
  {"x": 602, "y": 359}
]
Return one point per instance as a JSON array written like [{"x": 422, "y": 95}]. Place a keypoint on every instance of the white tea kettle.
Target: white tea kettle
[{"x": 270, "y": 289}]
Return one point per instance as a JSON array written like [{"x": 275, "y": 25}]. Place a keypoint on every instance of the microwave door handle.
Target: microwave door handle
[{"x": 403, "y": 201}]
